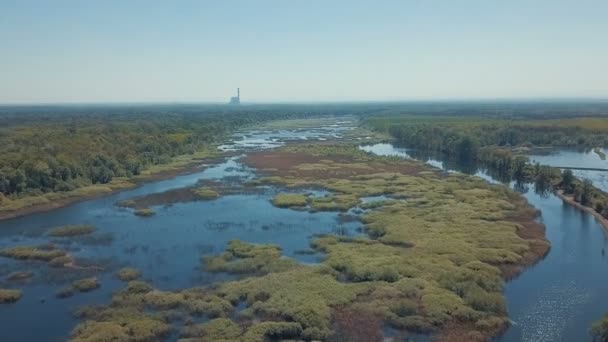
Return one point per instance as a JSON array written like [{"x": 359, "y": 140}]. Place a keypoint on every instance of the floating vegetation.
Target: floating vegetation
[
  {"x": 144, "y": 212},
  {"x": 72, "y": 230},
  {"x": 19, "y": 276},
  {"x": 333, "y": 203},
  {"x": 65, "y": 292},
  {"x": 128, "y": 274},
  {"x": 435, "y": 263},
  {"x": 599, "y": 329},
  {"x": 241, "y": 257},
  {"x": 9, "y": 296},
  {"x": 86, "y": 284},
  {"x": 285, "y": 200},
  {"x": 43, "y": 253},
  {"x": 128, "y": 203},
  {"x": 205, "y": 193},
  {"x": 118, "y": 324},
  {"x": 438, "y": 258},
  {"x": 61, "y": 261}
]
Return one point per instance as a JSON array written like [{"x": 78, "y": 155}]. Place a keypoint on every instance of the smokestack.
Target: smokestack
[{"x": 238, "y": 92}]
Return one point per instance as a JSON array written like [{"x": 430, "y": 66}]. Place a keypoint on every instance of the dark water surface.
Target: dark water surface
[{"x": 560, "y": 297}]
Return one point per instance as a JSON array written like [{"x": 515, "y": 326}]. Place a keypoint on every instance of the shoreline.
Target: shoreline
[
  {"x": 133, "y": 184},
  {"x": 569, "y": 200}
]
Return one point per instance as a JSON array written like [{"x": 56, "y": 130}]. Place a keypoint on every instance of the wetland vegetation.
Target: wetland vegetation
[{"x": 415, "y": 249}]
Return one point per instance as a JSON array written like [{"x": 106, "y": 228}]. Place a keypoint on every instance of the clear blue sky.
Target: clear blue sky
[{"x": 313, "y": 50}]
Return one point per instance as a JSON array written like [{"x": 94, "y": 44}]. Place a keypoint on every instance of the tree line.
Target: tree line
[
  {"x": 53, "y": 149},
  {"x": 498, "y": 146}
]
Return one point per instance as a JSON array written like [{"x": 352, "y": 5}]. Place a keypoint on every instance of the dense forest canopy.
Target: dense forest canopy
[
  {"x": 62, "y": 147},
  {"x": 499, "y": 143}
]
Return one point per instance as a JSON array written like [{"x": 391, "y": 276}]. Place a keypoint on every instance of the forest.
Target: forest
[
  {"x": 499, "y": 145},
  {"x": 61, "y": 148}
]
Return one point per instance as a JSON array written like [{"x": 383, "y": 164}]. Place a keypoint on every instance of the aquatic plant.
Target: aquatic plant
[
  {"x": 128, "y": 203},
  {"x": 86, "y": 284},
  {"x": 241, "y": 257},
  {"x": 120, "y": 325},
  {"x": 219, "y": 329},
  {"x": 599, "y": 329},
  {"x": 9, "y": 296},
  {"x": 144, "y": 212},
  {"x": 19, "y": 275},
  {"x": 44, "y": 253},
  {"x": 287, "y": 200},
  {"x": 205, "y": 193},
  {"x": 72, "y": 230},
  {"x": 65, "y": 292},
  {"x": 433, "y": 263},
  {"x": 128, "y": 274}
]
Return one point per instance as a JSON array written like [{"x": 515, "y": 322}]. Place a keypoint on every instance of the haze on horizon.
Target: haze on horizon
[{"x": 300, "y": 51}]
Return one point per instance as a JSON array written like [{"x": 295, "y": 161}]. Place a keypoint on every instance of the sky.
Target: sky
[{"x": 59, "y": 51}]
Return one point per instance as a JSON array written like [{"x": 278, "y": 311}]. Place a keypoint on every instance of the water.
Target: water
[
  {"x": 265, "y": 139},
  {"x": 555, "y": 300},
  {"x": 560, "y": 297},
  {"x": 577, "y": 158},
  {"x": 167, "y": 247}
]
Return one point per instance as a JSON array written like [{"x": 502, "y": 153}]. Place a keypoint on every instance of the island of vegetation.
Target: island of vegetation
[
  {"x": 72, "y": 230},
  {"x": 433, "y": 262}
]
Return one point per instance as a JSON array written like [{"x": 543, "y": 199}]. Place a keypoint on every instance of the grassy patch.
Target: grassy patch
[
  {"x": 241, "y": 257},
  {"x": 43, "y": 253},
  {"x": 285, "y": 200},
  {"x": 128, "y": 203},
  {"x": 144, "y": 212},
  {"x": 9, "y": 296},
  {"x": 128, "y": 274},
  {"x": 599, "y": 329},
  {"x": 205, "y": 194},
  {"x": 435, "y": 262},
  {"x": 19, "y": 275},
  {"x": 72, "y": 230},
  {"x": 86, "y": 284}
]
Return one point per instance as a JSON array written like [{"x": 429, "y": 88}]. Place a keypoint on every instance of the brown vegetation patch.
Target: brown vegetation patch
[
  {"x": 530, "y": 230},
  {"x": 304, "y": 165}
]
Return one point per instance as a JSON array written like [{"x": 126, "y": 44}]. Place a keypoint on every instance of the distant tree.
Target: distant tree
[
  {"x": 586, "y": 192},
  {"x": 467, "y": 148},
  {"x": 567, "y": 182}
]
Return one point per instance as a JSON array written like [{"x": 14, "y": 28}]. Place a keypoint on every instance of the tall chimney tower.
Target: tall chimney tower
[{"x": 236, "y": 100}]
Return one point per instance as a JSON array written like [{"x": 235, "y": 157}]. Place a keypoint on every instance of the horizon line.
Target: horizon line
[{"x": 309, "y": 102}]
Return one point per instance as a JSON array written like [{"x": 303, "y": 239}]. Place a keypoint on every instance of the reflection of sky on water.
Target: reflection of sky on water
[
  {"x": 166, "y": 247},
  {"x": 560, "y": 297},
  {"x": 569, "y": 157}
]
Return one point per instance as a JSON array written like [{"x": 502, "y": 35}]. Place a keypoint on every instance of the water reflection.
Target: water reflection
[{"x": 560, "y": 297}]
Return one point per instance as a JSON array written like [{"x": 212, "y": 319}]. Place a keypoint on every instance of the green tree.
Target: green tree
[
  {"x": 586, "y": 192},
  {"x": 567, "y": 183}
]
